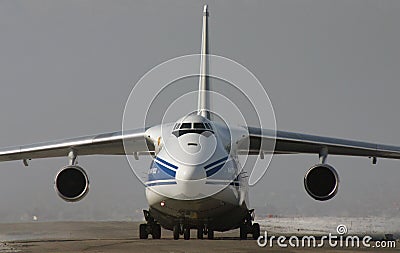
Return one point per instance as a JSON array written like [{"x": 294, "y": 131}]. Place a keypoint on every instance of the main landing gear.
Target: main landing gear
[
  {"x": 150, "y": 228},
  {"x": 249, "y": 227},
  {"x": 180, "y": 229}
]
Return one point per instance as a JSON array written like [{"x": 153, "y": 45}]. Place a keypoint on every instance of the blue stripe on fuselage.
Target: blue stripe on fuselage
[
  {"x": 161, "y": 183},
  {"x": 214, "y": 170},
  {"x": 216, "y": 162},
  {"x": 167, "y": 163},
  {"x": 166, "y": 169},
  {"x": 223, "y": 183},
  {"x": 160, "y": 172}
]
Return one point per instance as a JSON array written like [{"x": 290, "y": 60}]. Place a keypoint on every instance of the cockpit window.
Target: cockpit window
[
  {"x": 198, "y": 128},
  {"x": 186, "y": 126}
]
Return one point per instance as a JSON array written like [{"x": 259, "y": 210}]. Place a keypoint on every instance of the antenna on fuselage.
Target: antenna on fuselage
[{"x": 203, "y": 99}]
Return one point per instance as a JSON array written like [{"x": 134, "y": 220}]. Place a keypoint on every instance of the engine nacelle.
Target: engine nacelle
[
  {"x": 71, "y": 183},
  {"x": 321, "y": 182}
]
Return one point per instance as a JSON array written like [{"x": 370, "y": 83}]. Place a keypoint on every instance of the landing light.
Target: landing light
[{"x": 162, "y": 203}]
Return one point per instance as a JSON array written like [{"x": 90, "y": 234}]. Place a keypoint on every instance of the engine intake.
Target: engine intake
[
  {"x": 321, "y": 182},
  {"x": 71, "y": 183}
]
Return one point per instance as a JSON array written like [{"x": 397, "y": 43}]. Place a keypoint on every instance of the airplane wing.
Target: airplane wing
[
  {"x": 261, "y": 140},
  {"x": 102, "y": 144}
]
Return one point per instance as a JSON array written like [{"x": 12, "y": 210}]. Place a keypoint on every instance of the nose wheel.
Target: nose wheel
[
  {"x": 176, "y": 232},
  {"x": 186, "y": 233},
  {"x": 210, "y": 234},
  {"x": 200, "y": 233},
  {"x": 180, "y": 229}
]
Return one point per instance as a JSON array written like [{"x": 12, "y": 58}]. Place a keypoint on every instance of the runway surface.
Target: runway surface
[{"x": 123, "y": 237}]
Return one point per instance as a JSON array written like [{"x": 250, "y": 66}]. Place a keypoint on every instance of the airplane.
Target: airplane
[{"x": 189, "y": 187}]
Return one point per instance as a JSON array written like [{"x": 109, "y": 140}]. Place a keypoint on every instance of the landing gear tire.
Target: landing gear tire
[
  {"x": 186, "y": 233},
  {"x": 210, "y": 234},
  {"x": 176, "y": 232},
  {"x": 200, "y": 233},
  {"x": 243, "y": 232},
  {"x": 151, "y": 227},
  {"x": 143, "y": 231},
  {"x": 156, "y": 231},
  {"x": 256, "y": 231}
]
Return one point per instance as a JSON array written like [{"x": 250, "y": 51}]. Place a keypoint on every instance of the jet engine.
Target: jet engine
[
  {"x": 71, "y": 183},
  {"x": 321, "y": 182}
]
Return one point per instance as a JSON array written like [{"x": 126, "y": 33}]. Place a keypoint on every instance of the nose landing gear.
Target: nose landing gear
[
  {"x": 176, "y": 231},
  {"x": 200, "y": 233},
  {"x": 181, "y": 229},
  {"x": 186, "y": 233},
  {"x": 210, "y": 234}
]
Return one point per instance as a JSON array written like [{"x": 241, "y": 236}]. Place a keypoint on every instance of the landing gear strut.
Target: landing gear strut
[
  {"x": 249, "y": 227},
  {"x": 200, "y": 232},
  {"x": 150, "y": 228},
  {"x": 210, "y": 234},
  {"x": 182, "y": 229}
]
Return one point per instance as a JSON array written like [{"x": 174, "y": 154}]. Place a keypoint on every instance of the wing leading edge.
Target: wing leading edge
[
  {"x": 261, "y": 140},
  {"x": 101, "y": 144}
]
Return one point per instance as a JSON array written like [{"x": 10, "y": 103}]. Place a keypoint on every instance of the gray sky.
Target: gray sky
[{"x": 330, "y": 68}]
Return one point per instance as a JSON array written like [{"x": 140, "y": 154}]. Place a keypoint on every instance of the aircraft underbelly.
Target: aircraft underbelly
[{"x": 222, "y": 211}]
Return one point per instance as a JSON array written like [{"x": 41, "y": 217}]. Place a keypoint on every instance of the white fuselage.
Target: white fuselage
[{"x": 194, "y": 179}]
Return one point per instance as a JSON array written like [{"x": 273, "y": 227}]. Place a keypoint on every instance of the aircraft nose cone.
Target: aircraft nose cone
[
  {"x": 190, "y": 173},
  {"x": 190, "y": 182},
  {"x": 190, "y": 143}
]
